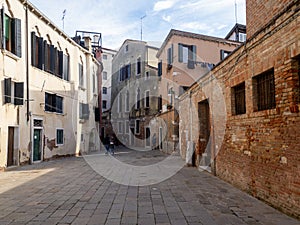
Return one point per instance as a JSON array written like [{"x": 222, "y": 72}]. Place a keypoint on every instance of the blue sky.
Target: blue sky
[{"x": 119, "y": 20}]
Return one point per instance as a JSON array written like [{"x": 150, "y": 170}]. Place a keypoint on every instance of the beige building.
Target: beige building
[
  {"x": 49, "y": 89},
  {"x": 183, "y": 58}
]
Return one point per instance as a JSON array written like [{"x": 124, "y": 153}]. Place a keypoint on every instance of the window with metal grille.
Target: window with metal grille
[
  {"x": 239, "y": 99},
  {"x": 38, "y": 123},
  {"x": 104, "y": 90},
  {"x": 264, "y": 90}
]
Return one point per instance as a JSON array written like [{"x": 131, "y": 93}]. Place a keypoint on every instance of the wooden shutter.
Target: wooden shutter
[
  {"x": 33, "y": 49},
  {"x": 52, "y": 59},
  {"x": 16, "y": 37},
  {"x": 65, "y": 67},
  {"x": 46, "y": 53},
  {"x": 159, "y": 72},
  {"x": 19, "y": 93},
  {"x": 60, "y": 63},
  {"x": 1, "y": 28},
  {"x": 180, "y": 52},
  {"x": 7, "y": 90},
  {"x": 41, "y": 56}
]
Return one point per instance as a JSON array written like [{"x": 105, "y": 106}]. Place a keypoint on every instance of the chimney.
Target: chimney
[{"x": 88, "y": 43}]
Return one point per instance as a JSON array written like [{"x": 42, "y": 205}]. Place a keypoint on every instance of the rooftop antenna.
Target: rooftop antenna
[
  {"x": 142, "y": 26},
  {"x": 235, "y": 6},
  {"x": 63, "y": 18}
]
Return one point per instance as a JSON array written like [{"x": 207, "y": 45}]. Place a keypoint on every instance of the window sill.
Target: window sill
[{"x": 10, "y": 55}]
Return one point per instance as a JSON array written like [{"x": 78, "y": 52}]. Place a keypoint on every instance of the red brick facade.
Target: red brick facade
[{"x": 260, "y": 153}]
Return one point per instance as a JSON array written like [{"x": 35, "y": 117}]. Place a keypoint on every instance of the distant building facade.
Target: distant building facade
[
  {"x": 49, "y": 91},
  {"x": 183, "y": 58},
  {"x": 107, "y": 58},
  {"x": 134, "y": 87},
  {"x": 237, "y": 33}
]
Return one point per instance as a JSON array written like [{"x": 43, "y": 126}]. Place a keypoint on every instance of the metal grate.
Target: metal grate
[
  {"x": 265, "y": 86},
  {"x": 38, "y": 123},
  {"x": 240, "y": 99}
]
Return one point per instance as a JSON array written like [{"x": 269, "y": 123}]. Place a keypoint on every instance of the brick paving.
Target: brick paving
[{"x": 69, "y": 191}]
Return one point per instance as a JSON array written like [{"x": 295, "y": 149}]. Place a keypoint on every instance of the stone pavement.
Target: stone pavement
[{"x": 69, "y": 191}]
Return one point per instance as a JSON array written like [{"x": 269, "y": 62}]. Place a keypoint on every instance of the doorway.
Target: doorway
[
  {"x": 37, "y": 145},
  {"x": 160, "y": 139},
  {"x": 147, "y": 137},
  {"x": 10, "y": 147},
  {"x": 204, "y": 134}
]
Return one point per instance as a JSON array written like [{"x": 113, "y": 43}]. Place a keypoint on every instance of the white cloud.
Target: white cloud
[
  {"x": 166, "y": 18},
  {"x": 163, "y": 5}
]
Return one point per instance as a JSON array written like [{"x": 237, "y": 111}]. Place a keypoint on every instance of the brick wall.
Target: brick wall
[
  {"x": 260, "y": 153},
  {"x": 259, "y": 13}
]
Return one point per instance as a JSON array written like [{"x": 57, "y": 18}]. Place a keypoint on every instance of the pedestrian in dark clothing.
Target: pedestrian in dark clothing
[
  {"x": 106, "y": 144},
  {"x": 112, "y": 145}
]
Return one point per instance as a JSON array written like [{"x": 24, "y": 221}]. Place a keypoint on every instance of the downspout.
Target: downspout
[{"x": 27, "y": 84}]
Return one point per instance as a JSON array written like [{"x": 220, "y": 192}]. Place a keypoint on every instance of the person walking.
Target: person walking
[
  {"x": 106, "y": 144},
  {"x": 112, "y": 145}
]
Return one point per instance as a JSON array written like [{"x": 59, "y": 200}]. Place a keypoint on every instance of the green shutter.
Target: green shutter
[
  {"x": 16, "y": 37},
  {"x": 7, "y": 90},
  {"x": 2, "y": 28},
  {"x": 19, "y": 94},
  {"x": 180, "y": 52}
]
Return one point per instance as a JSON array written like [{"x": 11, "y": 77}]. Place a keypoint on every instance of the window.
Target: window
[
  {"x": 170, "y": 57},
  {"x": 124, "y": 72},
  {"x": 127, "y": 102},
  {"x": 159, "y": 106},
  {"x": 97, "y": 114},
  {"x": 126, "y": 48},
  {"x": 159, "y": 69},
  {"x": 187, "y": 54},
  {"x": 127, "y": 127},
  {"x": 46, "y": 57},
  {"x": 53, "y": 103},
  {"x": 13, "y": 92},
  {"x": 239, "y": 98},
  {"x": 120, "y": 129},
  {"x": 224, "y": 54},
  {"x": 147, "y": 99},
  {"x": 59, "y": 136},
  {"x": 138, "y": 99},
  {"x": 120, "y": 103},
  {"x": 104, "y": 75},
  {"x": 264, "y": 90},
  {"x": 137, "y": 126},
  {"x": 138, "y": 66},
  {"x": 104, "y": 57},
  {"x": 94, "y": 82},
  {"x": 242, "y": 37},
  {"x": 104, "y": 90},
  {"x": 84, "y": 111},
  {"x": 104, "y": 104},
  {"x": 11, "y": 34},
  {"x": 81, "y": 78}
]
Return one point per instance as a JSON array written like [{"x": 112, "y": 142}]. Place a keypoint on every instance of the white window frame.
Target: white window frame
[
  {"x": 104, "y": 78},
  {"x": 127, "y": 101},
  {"x": 119, "y": 103}
]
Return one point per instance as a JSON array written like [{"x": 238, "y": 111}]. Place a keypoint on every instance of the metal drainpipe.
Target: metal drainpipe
[{"x": 27, "y": 83}]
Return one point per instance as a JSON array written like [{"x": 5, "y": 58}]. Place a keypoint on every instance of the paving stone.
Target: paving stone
[{"x": 75, "y": 194}]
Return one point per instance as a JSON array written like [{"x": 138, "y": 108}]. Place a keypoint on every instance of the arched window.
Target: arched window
[{"x": 138, "y": 99}]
